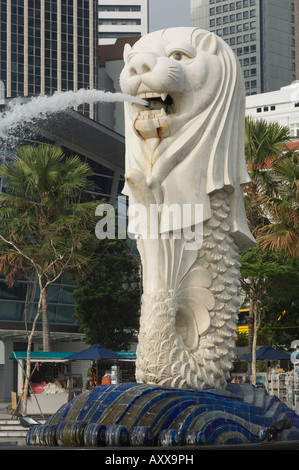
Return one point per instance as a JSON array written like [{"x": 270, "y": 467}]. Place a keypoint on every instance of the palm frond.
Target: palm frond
[{"x": 278, "y": 238}]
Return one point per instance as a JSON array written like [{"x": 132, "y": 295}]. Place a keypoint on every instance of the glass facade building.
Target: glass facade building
[
  {"x": 60, "y": 307},
  {"x": 48, "y": 45}
]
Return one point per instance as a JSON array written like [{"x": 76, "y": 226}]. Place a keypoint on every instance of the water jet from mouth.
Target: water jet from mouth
[{"x": 20, "y": 112}]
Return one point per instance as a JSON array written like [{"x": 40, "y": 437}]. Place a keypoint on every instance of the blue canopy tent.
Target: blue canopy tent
[
  {"x": 266, "y": 353},
  {"x": 95, "y": 353}
]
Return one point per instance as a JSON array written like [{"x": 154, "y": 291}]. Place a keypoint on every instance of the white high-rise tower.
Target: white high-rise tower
[{"x": 117, "y": 19}]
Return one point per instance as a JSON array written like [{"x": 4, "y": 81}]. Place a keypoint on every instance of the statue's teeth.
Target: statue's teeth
[
  {"x": 151, "y": 114},
  {"x": 164, "y": 96}
]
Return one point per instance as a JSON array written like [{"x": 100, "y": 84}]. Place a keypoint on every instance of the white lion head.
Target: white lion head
[{"x": 190, "y": 139}]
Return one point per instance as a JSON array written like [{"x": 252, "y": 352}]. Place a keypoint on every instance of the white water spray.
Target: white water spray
[{"x": 41, "y": 106}]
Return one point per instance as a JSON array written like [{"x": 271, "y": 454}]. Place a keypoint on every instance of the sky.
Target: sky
[{"x": 168, "y": 14}]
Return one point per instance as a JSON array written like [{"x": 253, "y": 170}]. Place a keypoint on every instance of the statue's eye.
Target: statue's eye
[
  {"x": 180, "y": 51},
  {"x": 177, "y": 56}
]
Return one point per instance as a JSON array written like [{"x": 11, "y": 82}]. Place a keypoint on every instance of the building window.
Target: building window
[
  {"x": 124, "y": 8},
  {"x": 294, "y": 128},
  {"x": 119, "y": 35},
  {"x": 119, "y": 21}
]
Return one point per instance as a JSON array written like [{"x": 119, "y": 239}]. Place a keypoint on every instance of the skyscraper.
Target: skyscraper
[
  {"x": 261, "y": 33},
  {"x": 120, "y": 19},
  {"x": 48, "y": 45}
]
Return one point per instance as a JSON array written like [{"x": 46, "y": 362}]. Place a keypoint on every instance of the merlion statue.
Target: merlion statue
[{"x": 185, "y": 150}]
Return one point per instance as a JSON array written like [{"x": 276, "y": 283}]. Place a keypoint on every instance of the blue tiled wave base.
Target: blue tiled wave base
[{"x": 146, "y": 415}]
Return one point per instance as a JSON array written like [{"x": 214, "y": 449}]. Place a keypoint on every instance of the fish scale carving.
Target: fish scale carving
[{"x": 162, "y": 356}]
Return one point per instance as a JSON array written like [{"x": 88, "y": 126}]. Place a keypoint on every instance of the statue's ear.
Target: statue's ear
[
  {"x": 127, "y": 50},
  {"x": 209, "y": 43}
]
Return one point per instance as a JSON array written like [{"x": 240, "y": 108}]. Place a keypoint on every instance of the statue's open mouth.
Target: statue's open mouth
[{"x": 158, "y": 105}]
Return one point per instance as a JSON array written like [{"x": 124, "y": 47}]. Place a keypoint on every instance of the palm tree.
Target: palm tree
[
  {"x": 264, "y": 142},
  {"x": 45, "y": 230},
  {"x": 281, "y": 234},
  {"x": 43, "y": 227}
]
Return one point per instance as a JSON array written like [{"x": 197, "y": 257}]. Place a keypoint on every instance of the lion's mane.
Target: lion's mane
[{"x": 208, "y": 151}]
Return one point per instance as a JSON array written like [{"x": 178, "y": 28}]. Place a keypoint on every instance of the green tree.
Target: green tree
[
  {"x": 280, "y": 322},
  {"x": 44, "y": 229},
  {"x": 266, "y": 277},
  {"x": 108, "y": 301}
]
